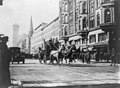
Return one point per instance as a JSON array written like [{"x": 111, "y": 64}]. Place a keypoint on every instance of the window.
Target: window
[
  {"x": 98, "y": 3},
  {"x": 102, "y": 37},
  {"x": 83, "y": 41},
  {"x": 65, "y": 30},
  {"x": 84, "y": 23},
  {"x": 79, "y": 24},
  {"x": 92, "y": 22},
  {"x": 66, "y": 7},
  {"x": 65, "y": 19},
  {"x": 79, "y": 9},
  {"x": 71, "y": 17},
  {"x": 84, "y": 7},
  {"x": 98, "y": 19},
  {"x": 71, "y": 29},
  {"x": 91, "y": 6},
  {"x": 92, "y": 38},
  {"x": 71, "y": 5},
  {"x": 107, "y": 16},
  {"x": 62, "y": 32}
]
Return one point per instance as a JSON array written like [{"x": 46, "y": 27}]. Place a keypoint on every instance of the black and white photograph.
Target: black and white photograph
[{"x": 59, "y": 43}]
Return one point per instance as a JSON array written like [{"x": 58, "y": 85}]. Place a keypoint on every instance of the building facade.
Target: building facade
[
  {"x": 22, "y": 43},
  {"x": 73, "y": 17},
  {"x": 15, "y": 34},
  {"x": 93, "y": 22},
  {"x": 44, "y": 32}
]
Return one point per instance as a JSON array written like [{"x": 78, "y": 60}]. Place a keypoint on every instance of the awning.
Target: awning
[{"x": 74, "y": 38}]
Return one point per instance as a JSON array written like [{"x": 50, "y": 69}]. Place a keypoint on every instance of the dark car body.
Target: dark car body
[{"x": 17, "y": 55}]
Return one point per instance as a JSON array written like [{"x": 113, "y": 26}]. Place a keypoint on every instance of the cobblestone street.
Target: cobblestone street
[{"x": 32, "y": 74}]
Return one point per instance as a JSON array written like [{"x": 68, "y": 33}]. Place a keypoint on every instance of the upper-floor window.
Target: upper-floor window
[
  {"x": 66, "y": 7},
  {"x": 84, "y": 22},
  {"x": 107, "y": 15},
  {"x": 98, "y": 19},
  {"x": 62, "y": 32},
  {"x": 70, "y": 5},
  {"x": 80, "y": 9},
  {"x": 71, "y": 17},
  {"x": 98, "y": 3},
  {"x": 92, "y": 6},
  {"x": 65, "y": 19},
  {"x": 92, "y": 21},
  {"x": 71, "y": 29},
  {"x": 65, "y": 30},
  {"x": 92, "y": 38},
  {"x": 84, "y": 7},
  {"x": 79, "y": 24}
]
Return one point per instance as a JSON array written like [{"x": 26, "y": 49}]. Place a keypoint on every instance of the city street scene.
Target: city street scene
[{"x": 60, "y": 44}]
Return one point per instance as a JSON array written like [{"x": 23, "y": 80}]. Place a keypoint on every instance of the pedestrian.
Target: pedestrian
[
  {"x": 113, "y": 57},
  {"x": 5, "y": 57}
]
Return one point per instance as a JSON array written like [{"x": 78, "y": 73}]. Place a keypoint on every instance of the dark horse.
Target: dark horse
[
  {"x": 71, "y": 54},
  {"x": 43, "y": 55}
]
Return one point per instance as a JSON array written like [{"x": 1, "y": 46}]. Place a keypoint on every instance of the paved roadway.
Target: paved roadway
[{"x": 78, "y": 75}]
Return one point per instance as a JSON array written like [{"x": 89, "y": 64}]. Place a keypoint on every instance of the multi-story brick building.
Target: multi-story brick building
[
  {"x": 94, "y": 22},
  {"x": 73, "y": 23},
  {"x": 44, "y": 32}
]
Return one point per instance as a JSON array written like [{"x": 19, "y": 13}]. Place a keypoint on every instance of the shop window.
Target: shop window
[
  {"x": 102, "y": 37},
  {"x": 92, "y": 38},
  {"x": 98, "y": 19},
  {"x": 92, "y": 22},
  {"x": 107, "y": 16},
  {"x": 83, "y": 41}
]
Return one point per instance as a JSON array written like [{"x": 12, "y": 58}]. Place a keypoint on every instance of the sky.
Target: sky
[{"x": 20, "y": 11}]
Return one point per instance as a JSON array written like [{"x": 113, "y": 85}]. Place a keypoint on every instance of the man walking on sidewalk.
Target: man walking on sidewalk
[{"x": 113, "y": 57}]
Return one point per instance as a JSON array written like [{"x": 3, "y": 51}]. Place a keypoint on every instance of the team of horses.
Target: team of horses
[{"x": 54, "y": 54}]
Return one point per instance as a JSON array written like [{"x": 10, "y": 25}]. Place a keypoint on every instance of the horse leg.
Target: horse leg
[{"x": 40, "y": 60}]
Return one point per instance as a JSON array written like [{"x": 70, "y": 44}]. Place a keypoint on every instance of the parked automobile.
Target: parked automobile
[{"x": 17, "y": 55}]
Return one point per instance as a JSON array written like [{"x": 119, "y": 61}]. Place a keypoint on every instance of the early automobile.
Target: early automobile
[{"x": 17, "y": 55}]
